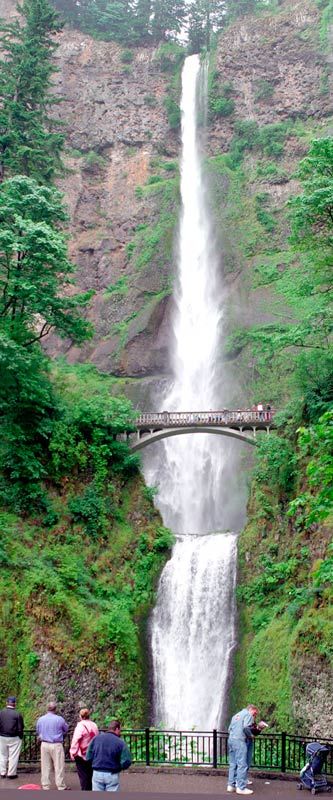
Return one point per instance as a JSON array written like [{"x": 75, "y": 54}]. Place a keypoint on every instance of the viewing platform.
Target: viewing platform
[{"x": 240, "y": 424}]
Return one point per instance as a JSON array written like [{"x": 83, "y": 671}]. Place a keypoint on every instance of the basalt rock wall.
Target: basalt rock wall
[{"x": 119, "y": 139}]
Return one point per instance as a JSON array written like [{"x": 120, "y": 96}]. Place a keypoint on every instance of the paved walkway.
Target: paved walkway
[{"x": 152, "y": 781}]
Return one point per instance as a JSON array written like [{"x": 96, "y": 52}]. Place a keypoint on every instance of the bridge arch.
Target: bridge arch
[{"x": 146, "y": 438}]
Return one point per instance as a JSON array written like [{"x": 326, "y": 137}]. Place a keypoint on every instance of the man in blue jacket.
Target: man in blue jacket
[{"x": 109, "y": 755}]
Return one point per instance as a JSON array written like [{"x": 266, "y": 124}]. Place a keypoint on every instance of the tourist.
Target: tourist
[
  {"x": 268, "y": 413},
  {"x": 51, "y": 728},
  {"x": 239, "y": 734},
  {"x": 109, "y": 755},
  {"x": 260, "y": 409},
  {"x": 11, "y": 735},
  {"x": 84, "y": 732},
  {"x": 256, "y": 729}
]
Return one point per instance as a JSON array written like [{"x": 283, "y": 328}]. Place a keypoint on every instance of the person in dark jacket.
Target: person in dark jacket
[
  {"x": 11, "y": 735},
  {"x": 109, "y": 755}
]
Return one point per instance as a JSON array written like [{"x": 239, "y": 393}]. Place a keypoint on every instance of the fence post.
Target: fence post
[
  {"x": 147, "y": 732},
  {"x": 283, "y": 751},
  {"x": 215, "y": 748}
]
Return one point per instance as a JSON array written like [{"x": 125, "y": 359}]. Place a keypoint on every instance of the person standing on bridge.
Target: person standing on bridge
[
  {"x": 260, "y": 409},
  {"x": 240, "y": 733}
]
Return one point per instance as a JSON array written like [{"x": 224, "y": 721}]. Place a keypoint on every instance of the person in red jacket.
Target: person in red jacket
[{"x": 84, "y": 732}]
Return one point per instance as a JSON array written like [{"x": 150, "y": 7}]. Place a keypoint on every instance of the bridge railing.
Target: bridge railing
[
  {"x": 275, "y": 752},
  {"x": 188, "y": 418}
]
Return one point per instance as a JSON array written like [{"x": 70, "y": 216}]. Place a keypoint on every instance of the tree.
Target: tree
[
  {"x": 141, "y": 20},
  {"x": 29, "y": 140},
  {"x": 167, "y": 18},
  {"x": 205, "y": 18},
  {"x": 34, "y": 267},
  {"x": 27, "y": 414}
]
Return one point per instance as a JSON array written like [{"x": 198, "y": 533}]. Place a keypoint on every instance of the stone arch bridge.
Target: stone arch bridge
[{"x": 243, "y": 425}]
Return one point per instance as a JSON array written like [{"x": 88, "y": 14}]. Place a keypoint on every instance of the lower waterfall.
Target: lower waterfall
[{"x": 191, "y": 647}]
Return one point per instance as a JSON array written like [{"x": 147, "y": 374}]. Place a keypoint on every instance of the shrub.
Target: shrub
[
  {"x": 264, "y": 90},
  {"x": 89, "y": 509},
  {"x": 223, "y": 106},
  {"x": 93, "y": 162},
  {"x": 150, "y": 100},
  {"x": 127, "y": 56},
  {"x": 276, "y": 462},
  {"x": 173, "y": 112},
  {"x": 169, "y": 57}
]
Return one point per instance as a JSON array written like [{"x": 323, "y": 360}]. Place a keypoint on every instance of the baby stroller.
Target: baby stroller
[{"x": 311, "y": 776}]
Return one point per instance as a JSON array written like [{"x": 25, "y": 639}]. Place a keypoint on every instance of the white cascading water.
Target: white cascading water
[{"x": 193, "y": 623}]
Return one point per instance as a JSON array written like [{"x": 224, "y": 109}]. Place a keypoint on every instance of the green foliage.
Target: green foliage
[
  {"x": 271, "y": 172},
  {"x": 34, "y": 266},
  {"x": 127, "y": 56},
  {"x": 220, "y": 100},
  {"x": 90, "y": 510},
  {"x": 316, "y": 445},
  {"x": 120, "y": 288},
  {"x": 222, "y": 106},
  {"x": 156, "y": 240},
  {"x": 275, "y": 462},
  {"x": 27, "y": 412},
  {"x": 168, "y": 57},
  {"x": 263, "y": 216},
  {"x": 206, "y": 18},
  {"x": 267, "y": 140},
  {"x": 93, "y": 162},
  {"x": 29, "y": 141},
  {"x": 305, "y": 281},
  {"x": 84, "y": 438},
  {"x": 88, "y": 594},
  {"x": 150, "y": 492},
  {"x": 264, "y": 90},
  {"x": 269, "y": 677},
  {"x": 323, "y": 574},
  {"x": 173, "y": 111},
  {"x": 141, "y": 22},
  {"x": 272, "y": 580}
]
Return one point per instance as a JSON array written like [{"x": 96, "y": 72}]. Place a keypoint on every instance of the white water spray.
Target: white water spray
[{"x": 193, "y": 622}]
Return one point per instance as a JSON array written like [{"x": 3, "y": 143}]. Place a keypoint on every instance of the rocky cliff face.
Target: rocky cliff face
[
  {"x": 116, "y": 125},
  {"x": 119, "y": 139}
]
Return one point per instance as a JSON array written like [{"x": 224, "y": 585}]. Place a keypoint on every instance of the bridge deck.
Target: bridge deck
[
  {"x": 152, "y": 427},
  {"x": 240, "y": 419}
]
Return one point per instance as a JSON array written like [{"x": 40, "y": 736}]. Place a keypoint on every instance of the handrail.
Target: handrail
[
  {"x": 223, "y": 417},
  {"x": 273, "y": 752}
]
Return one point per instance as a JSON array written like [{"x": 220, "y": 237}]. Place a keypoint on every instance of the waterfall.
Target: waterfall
[
  {"x": 192, "y": 627},
  {"x": 191, "y": 646}
]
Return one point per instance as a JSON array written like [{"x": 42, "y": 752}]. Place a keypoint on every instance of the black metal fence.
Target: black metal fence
[{"x": 277, "y": 752}]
